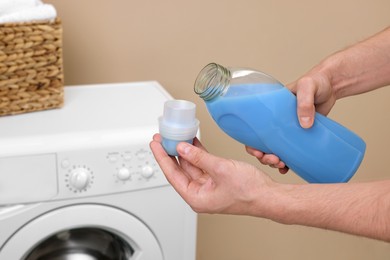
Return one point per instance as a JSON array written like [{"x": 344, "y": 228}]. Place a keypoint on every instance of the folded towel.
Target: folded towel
[
  {"x": 15, "y": 11},
  {"x": 9, "y": 6}
]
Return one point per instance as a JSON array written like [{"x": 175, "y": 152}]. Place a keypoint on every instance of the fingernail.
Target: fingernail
[
  {"x": 305, "y": 121},
  {"x": 183, "y": 148}
]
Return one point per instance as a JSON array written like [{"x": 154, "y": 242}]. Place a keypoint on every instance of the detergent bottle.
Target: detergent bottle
[{"x": 260, "y": 112}]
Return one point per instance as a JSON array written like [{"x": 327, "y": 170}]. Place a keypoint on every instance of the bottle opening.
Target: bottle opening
[{"x": 213, "y": 80}]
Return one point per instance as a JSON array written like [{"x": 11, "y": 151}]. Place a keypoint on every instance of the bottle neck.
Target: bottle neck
[{"x": 212, "y": 81}]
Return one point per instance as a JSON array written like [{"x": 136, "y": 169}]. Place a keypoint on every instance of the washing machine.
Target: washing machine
[{"x": 80, "y": 182}]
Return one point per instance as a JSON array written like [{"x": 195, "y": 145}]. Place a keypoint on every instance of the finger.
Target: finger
[
  {"x": 293, "y": 87},
  {"x": 171, "y": 169},
  {"x": 194, "y": 173},
  {"x": 267, "y": 159},
  {"x": 199, "y": 157},
  {"x": 256, "y": 153},
  {"x": 270, "y": 159},
  {"x": 283, "y": 170},
  {"x": 157, "y": 138},
  {"x": 197, "y": 143},
  {"x": 305, "y": 91},
  {"x": 280, "y": 165}
]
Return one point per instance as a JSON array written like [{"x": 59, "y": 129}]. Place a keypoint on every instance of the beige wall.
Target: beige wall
[{"x": 170, "y": 41}]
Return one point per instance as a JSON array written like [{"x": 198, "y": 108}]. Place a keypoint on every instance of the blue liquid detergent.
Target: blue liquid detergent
[
  {"x": 170, "y": 145},
  {"x": 263, "y": 116}
]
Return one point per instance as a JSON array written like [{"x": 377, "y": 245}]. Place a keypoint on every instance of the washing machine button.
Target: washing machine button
[
  {"x": 112, "y": 158},
  {"x": 141, "y": 155},
  {"x": 147, "y": 171},
  {"x": 123, "y": 174},
  {"x": 65, "y": 163},
  {"x": 127, "y": 156}
]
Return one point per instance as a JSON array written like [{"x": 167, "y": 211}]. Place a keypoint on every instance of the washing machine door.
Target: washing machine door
[{"x": 83, "y": 232}]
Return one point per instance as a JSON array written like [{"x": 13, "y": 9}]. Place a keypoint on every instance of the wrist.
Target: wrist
[
  {"x": 359, "y": 68},
  {"x": 287, "y": 206},
  {"x": 291, "y": 204},
  {"x": 276, "y": 202},
  {"x": 334, "y": 70}
]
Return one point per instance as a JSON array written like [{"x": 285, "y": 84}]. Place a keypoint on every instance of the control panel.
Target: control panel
[
  {"x": 85, "y": 148},
  {"x": 105, "y": 171}
]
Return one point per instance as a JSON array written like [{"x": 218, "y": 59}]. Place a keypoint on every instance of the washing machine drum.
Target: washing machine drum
[
  {"x": 82, "y": 244},
  {"x": 83, "y": 232}
]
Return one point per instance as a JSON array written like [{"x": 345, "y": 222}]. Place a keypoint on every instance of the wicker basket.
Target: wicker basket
[{"x": 31, "y": 71}]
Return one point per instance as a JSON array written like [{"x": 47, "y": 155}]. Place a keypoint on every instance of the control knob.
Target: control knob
[
  {"x": 147, "y": 171},
  {"x": 80, "y": 178},
  {"x": 123, "y": 174}
]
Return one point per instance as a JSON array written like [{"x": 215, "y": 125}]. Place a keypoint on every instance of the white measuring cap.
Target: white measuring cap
[{"x": 177, "y": 124}]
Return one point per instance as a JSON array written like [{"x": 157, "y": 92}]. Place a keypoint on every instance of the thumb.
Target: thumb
[
  {"x": 198, "y": 157},
  {"x": 305, "y": 92}
]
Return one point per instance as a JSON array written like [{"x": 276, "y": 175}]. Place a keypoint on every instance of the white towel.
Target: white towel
[
  {"x": 9, "y": 6},
  {"x": 15, "y": 11}
]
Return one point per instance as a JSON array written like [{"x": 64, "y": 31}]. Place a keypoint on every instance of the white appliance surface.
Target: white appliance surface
[
  {"x": 91, "y": 114},
  {"x": 59, "y": 168}
]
